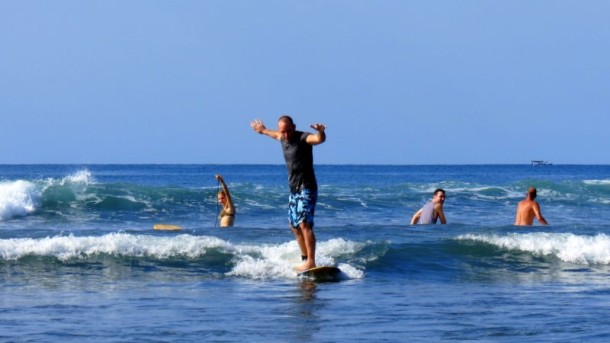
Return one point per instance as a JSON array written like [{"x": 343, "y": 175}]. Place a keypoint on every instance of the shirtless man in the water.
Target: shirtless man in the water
[{"x": 528, "y": 209}]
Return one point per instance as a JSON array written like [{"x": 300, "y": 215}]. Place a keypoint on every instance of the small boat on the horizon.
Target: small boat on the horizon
[{"x": 541, "y": 163}]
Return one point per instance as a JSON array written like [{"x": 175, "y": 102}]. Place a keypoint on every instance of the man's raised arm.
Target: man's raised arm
[
  {"x": 258, "y": 126},
  {"x": 318, "y": 138}
]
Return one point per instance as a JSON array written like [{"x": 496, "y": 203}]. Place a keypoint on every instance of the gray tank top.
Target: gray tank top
[{"x": 427, "y": 214}]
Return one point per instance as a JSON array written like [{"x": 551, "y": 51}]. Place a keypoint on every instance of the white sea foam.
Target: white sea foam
[
  {"x": 119, "y": 244},
  {"x": 81, "y": 177},
  {"x": 273, "y": 261},
  {"x": 259, "y": 205},
  {"x": 353, "y": 199},
  {"x": 485, "y": 192},
  {"x": 597, "y": 182},
  {"x": 18, "y": 198},
  {"x": 567, "y": 247},
  {"x": 250, "y": 261}
]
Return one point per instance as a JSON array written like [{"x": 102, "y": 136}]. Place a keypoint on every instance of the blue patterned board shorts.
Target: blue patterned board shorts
[{"x": 301, "y": 207}]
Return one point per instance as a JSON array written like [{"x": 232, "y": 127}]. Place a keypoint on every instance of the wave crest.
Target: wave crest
[
  {"x": 81, "y": 177},
  {"x": 18, "y": 199},
  {"x": 567, "y": 247},
  {"x": 244, "y": 260},
  {"x": 116, "y": 244}
]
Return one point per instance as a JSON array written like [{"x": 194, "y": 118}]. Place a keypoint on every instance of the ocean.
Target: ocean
[{"x": 80, "y": 261}]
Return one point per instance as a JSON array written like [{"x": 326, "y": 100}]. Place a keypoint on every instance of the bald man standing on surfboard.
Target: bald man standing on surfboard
[{"x": 298, "y": 154}]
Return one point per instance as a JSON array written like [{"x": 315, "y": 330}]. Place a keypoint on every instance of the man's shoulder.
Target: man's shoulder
[
  {"x": 301, "y": 136},
  {"x": 527, "y": 203}
]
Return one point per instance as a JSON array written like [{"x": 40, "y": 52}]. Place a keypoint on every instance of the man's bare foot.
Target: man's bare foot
[{"x": 305, "y": 266}]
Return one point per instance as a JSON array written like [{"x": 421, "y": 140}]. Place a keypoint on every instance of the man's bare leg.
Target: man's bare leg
[
  {"x": 307, "y": 242},
  {"x": 300, "y": 240}
]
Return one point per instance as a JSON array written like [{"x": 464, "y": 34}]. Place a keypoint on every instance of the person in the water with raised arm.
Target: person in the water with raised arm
[
  {"x": 227, "y": 214},
  {"x": 298, "y": 154}
]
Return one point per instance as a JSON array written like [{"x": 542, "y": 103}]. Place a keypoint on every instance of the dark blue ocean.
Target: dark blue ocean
[{"x": 80, "y": 261}]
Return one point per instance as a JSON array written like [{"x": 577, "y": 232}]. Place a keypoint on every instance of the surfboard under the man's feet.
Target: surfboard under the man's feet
[{"x": 323, "y": 273}]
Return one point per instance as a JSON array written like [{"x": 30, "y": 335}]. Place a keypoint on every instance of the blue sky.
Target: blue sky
[{"x": 396, "y": 82}]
